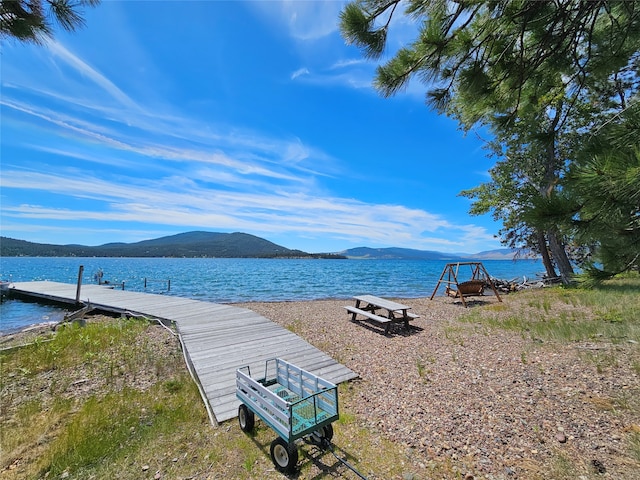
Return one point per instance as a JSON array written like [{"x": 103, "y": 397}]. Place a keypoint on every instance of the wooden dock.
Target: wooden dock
[{"x": 216, "y": 338}]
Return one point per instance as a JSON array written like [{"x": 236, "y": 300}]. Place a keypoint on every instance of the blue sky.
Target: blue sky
[{"x": 164, "y": 117}]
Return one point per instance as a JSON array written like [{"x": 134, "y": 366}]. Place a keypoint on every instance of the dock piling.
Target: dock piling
[{"x": 79, "y": 285}]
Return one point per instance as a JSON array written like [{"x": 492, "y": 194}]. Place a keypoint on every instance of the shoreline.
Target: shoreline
[{"x": 27, "y": 335}]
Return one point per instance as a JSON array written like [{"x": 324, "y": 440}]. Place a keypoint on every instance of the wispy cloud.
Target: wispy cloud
[
  {"x": 248, "y": 154},
  {"x": 165, "y": 167},
  {"x": 189, "y": 204},
  {"x": 156, "y": 133},
  {"x": 350, "y": 63},
  {"x": 300, "y": 72},
  {"x": 304, "y": 20},
  {"x": 357, "y": 79},
  {"x": 358, "y": 75},
  {"x": 91, "y": 73}
]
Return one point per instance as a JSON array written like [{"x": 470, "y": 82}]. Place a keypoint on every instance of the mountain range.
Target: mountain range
[
  {"x": 395, "y": 253},
  {"x": 224, "y": 245}
]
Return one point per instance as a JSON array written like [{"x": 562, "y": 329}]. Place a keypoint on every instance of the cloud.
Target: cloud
[
  {"x": 304, "y": 20},
  {"x": 91, "y": 73},
  {"x": 356, "y": 79},
  {"x": 350, "y": 63},
  {"x": 186, "y": 203},
  {"x": 245, "y": 153},
  {"x": 299, "y": 73},
  {"x": 355, "y": 74}
]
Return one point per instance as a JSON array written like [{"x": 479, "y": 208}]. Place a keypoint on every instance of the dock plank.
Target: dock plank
[{"x": 217, "y": 338}]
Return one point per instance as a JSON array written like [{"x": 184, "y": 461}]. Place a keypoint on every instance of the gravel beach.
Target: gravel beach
[
  {"x": 494, "y": 404},
  {"x": 463, "y": 399}
]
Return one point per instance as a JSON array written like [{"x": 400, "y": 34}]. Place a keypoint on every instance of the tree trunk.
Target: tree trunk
[
  {"x": 560, "y": 257},
  {"x": 549, "y": 185},
  {"x": 544, "y": 251}
]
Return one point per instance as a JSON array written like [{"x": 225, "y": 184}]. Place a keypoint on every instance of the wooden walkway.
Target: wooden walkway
[{"x": 217, "y": 338}]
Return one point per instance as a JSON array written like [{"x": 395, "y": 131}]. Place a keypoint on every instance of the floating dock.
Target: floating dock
[{"x": 217, "y": 339}]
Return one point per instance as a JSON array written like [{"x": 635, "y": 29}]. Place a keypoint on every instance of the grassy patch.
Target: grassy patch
[
  {"x": 633, "y": 440},
  {"x": 610, "y": 312},
  {"x": 562, "y": 467},
  {"x": 75, "y": 401},
  {"x": 73, "y": 343},
  {"x": 455, "y": 334},
  {"x": 295, "y": 327},
  {"x": 117, "y": 424},
  {"x": 422, "y": 367}
]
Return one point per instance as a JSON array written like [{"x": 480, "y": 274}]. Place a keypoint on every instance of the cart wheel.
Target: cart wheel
[
  {"x": 284, "y": 455},
  {"x": 318, "y": 436},
  {"x": 246, "y": 418}
]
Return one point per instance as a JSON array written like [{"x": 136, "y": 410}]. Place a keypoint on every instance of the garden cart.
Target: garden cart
[{"x": 293, "y": 402}]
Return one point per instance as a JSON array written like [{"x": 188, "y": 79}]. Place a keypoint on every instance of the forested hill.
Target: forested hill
[{"x": 190, "y": 245}]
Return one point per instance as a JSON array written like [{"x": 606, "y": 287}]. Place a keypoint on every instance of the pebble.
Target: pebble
[{"x": 598, "y": 466}]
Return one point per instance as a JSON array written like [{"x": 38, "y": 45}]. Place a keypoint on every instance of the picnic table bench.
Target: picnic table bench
[{"x": 395, "y": 312}]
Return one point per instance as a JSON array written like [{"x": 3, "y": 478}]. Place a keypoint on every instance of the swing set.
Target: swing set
[{"x": 474, "y": 287}]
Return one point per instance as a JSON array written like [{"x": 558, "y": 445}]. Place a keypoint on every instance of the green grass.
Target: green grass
[
  {"x": 610, "y": 312},
  {"x": 73, "y": 342},
  {"x": 118, "y": 424},
  {"x": 421, "y": 368},
  {"x": 455, "y": 334},
  {"x": 562, "y": 467},
  {"x": 634, "y": 444},
  {"x": 71, "y": 434}
]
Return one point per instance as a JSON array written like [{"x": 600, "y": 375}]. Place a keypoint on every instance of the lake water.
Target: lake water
[{"x": 226, "y": 280}]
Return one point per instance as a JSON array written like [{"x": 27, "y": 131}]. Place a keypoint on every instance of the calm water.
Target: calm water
[{"x": 239, "y": 280}]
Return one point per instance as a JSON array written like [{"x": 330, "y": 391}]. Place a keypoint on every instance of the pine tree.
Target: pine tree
[{"x": 29, "y": 20}]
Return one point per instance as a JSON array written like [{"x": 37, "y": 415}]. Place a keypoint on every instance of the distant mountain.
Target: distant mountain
[
  {"x": 499, "y": 254},
  {"x": 411, "y": 254},
  {"x": 226, "y": 245},
  {"x": 394, "y": 253},
  {"x": 190, "y": 244}
]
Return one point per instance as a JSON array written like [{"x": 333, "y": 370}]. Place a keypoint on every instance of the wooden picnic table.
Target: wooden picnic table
[{"x": 368, "y": 306}]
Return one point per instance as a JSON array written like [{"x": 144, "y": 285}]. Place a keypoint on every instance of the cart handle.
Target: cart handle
[{"x": 326, "y": 444}]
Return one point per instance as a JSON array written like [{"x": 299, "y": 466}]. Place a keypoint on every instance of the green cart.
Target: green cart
[{"x": 293, "y": 402}]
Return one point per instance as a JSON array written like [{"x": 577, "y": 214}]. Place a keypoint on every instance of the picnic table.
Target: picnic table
[{"x": 368, "y": 306}]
